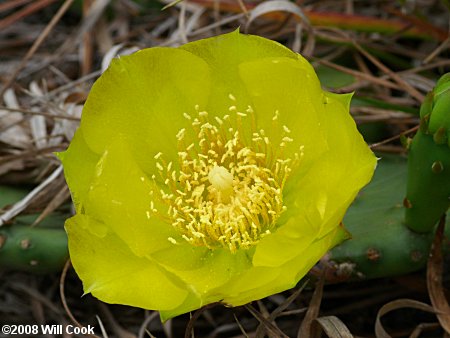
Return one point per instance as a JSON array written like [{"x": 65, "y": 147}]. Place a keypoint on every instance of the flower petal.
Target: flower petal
[
  {"x": 283, "y": 244},
  {"x": 202, "y": 269},
  {"x": 259, "y": 282},
  {"x": 224, "y": 54},
  {"x": 142, "y": 97},
  {"x": 275, "y": 87},
  {"x": 298, "y": 267},
  {"x": 79, "y": 173},
  {"x": 190, "y": 303},
  {"x": 255, "y": 283},
  {"x": 317, "y": 198},
  {"x": 111, "y": 272},
  {"x": 120, "y": 197},
  {"x": 328, "y": 188}
]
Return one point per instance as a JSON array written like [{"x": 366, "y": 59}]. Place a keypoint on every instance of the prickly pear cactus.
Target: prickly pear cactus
[
  {"x": 33, "y": 249},
  {"x": 39, "y": 249},
  {"x": 381, "y": 245},
  {"x": 428, "y": 186}
]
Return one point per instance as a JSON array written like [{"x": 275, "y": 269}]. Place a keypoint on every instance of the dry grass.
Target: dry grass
[{"x": 52, "y": 51}]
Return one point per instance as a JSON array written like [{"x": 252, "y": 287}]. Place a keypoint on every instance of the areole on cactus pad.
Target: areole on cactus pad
[{"x": 216, "y": 171}]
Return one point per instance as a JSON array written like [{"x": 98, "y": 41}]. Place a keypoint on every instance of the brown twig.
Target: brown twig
[
  {"x": 50, "y": 115},
  {"x": 305, "y": 329},
  {"x": 63, "y": 297},
  {"x": 28, "y": 10},
  {"x": 393, "y": 138},
  {"x": 435, "y": 271},
  {"x": 402, "y": 83},
  {"x": 37, "y": 44},
  {"x": 87, "y": 43},
  {"x": 190, "y": 326},
  {"x": 12, "y": 4},
  {"x": 358, "y": 74}
]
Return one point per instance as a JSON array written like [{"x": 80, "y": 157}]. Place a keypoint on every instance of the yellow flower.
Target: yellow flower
[{"x": 216, "y": 171}]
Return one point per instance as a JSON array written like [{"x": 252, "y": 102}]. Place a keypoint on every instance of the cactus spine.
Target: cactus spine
[{"x": 428, "y": 186}]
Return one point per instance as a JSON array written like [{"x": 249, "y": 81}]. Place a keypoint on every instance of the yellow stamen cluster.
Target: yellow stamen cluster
[{"x": 226, "y": 190}]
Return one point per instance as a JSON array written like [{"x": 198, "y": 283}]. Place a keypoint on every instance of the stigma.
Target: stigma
[
  {"x": 222, "y": 181},
  {"x": 226, "y": 188}
]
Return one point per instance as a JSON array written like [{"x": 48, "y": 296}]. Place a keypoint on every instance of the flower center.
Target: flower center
[
  {"x": 227, "y": 188},
  {"x": 222, "y": 180}
]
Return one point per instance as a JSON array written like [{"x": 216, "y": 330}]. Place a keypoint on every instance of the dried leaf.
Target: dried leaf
[
  {"x": 421, "y": 327},
  {"x": 37, "y": 122},
  {"x": 276, "y": 6},
  {"x": 334, "y": 327},
  {"x": 305, "y": 329},
  {"x": 283, "y": 306},
  {"x": 23, "y": 203},
  {"x": 11, "y": 165},
  {"x": 69, "y": 127},
  {"x": 56, "y": 201},
  {"x": 10, "y": 131},
  {"x": 434, "y": 279},
  {"x": 115, "y": 51},
  {"x": 380, "y": 332},
  {"x": 271, "y": 329}
]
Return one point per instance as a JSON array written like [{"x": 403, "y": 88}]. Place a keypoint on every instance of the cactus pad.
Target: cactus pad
[{"x": 428, "y": 187}]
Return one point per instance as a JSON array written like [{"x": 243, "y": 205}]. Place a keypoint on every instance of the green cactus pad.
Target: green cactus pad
[
  {"x": 34, "y": 249},
  {"x": 381, "y": 245},
  {"x": 428, "y": 187},
  {"x": 428, "y": 183},
  {"x": 39, "y": 249}
]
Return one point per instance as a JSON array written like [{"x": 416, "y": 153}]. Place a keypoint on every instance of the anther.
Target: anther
[{"x": 227, "y": 191}]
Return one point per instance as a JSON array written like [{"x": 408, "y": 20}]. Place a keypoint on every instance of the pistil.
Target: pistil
[
  {"x": 225, "y": 191},
  {"x": 222, "y": 181}
]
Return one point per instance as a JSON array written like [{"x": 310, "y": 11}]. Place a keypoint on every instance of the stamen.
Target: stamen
[
  {"x": 275, "y": 115},
  {"x": 226, "y": 191},
  {"x": 180, "y": 134}
]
